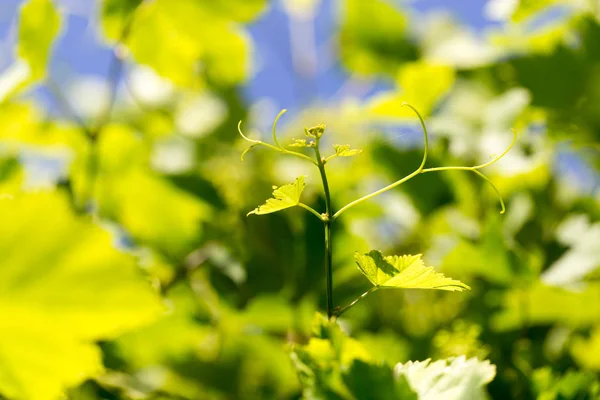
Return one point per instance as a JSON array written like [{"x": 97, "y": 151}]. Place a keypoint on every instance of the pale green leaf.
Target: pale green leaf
[
  {"x": 152, "y": 210},
  {"x": 116, "y": 15},
  {"x": 572, "y": 384},
  {"x": 540, "y": 304},
  {"x": 344, "y": 150},
  {"x": 184, "y": 39},
  {"x": 39, "y": 24},
  {"x": 302, "y": 143},
  {"x": 315, "y": 132},
  {"x": 72, "y": 291},
  {"x": 237, "y": 10},
  {"x": 529, "y": 8},
  {"x": 374, "y": 37},
  {"x": 406, "y": 272},
  {"x": 586, "y": 351},
  {"x": 452, "y": 379},
  {"x": 285, "y": 196},
  {"x": 420, "y": 84}
]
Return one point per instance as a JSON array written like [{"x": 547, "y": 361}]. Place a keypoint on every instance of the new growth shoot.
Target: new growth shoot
[{"x": 406, "y": 271}]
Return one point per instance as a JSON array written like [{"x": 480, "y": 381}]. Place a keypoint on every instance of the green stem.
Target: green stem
[
  {"x": 422, "y": 170},
  {"x": 399, "y": 182},
  {"x": 327, "y": 222},
  {"x": 312, "y": 211},
  {"x": 340, "y": 311},
  {"x": 270, "y": 146}
]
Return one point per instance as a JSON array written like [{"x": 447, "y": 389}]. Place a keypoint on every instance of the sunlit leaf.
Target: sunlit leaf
[
  {"x": 301, "y": 143},
  {"x": 285, "y": 196},
  {"x": 571, "y": 385},
  {"x": 152, "y": 210},
  {"x": 407, "y": 272},
  {"x": 344, "y": 150},
  {"x": 335, "y": 366},
  {"x": 374, "y": 37},
  {"x": 72, "y": 291},
  {"x": 476, "y": 259},
  {"x": 528, "y": 8},
  {"x": 452, "y": 379},
  {"x": 421, "y": 84},
  {"x": 546, "y": 305},
  {"x": 586, "y": 351},
  {"x": 39, "y": 24},
  {"x": 237, "y": 10},
  {"x": 116, "y": 15},
  {"x": 171, "y": 338},
  {"x": 179, "y": 40}
]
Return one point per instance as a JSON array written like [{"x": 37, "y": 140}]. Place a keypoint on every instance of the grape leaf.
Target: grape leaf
[
  {"x": 72, "y": 291},
  {"x": 180, "y": 39},
  {"x": 451, "y": 379},
  {"x": 344, "y": 150},
  {"x": 169, "y": 220},
  {"x": 370, "y": 381},
  {"x": 540, "y": 304},
  {"x": 39, "y": 24},
  {"x": 586, "y": 351},
  {"x": 285, "y": 196},
  {"x": 301, "y": 143},
  {"x": 237, "y": 10},
  {"x": 115, "y": 15},
  {"x": 547, "y": 384},
  {"x": 375, "y": 37},
  {"x": 406, "y": 271},
  {"x": 528, "y": 8},
  {"x": 419, "y": 83}
]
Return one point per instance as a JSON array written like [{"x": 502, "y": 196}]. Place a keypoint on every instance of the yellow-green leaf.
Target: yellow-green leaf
[
  {"x": 39, "y": 23},
  {"x": 374, "y": 37},
  {"x": 181, "y": 40},
  {"x": 528, "y": 8},
  {"x": 301, "y": 143},
  {"x": 65, "y": 287},
  {"x": 586, "y": 351},
  {"x": 421, "y": 84},
  {"x": 344, "y": 150},
  {"x": 546, "y": 305},
  {"x": 406, "y": 272},
  {"x": 116, "y": 15},
  {"x": 237, "y": 10},
  {"x": 284, "y": 197}
]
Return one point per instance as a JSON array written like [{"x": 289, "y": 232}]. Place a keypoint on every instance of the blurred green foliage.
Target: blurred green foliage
[{"x": 133, "y": 272}]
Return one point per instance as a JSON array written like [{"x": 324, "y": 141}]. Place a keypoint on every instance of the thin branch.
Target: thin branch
[
  {"x": 312, "y": 210},
  {"x": 422, "y": 170},
  {"x": 340, "y": 310},
  {"x": 399, "y": 182},
  {"x": 115, "y": 70},
  {"x": 66, "y": 108},
  {"x": 270, "y": 146}
]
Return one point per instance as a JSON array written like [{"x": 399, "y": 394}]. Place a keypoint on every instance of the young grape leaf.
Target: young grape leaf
[
  {"x": 452, "y": 379},
  {"x": 39, "y": 23},
  {"x": 285, "y": 196},
  {"x": 406, "y": 272},
  {"x": 315, "y": 132},
  {"x": 344, "y": 150},
  {"x": 302, "y": 143},
  {"x": 75, "y": 289}
]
